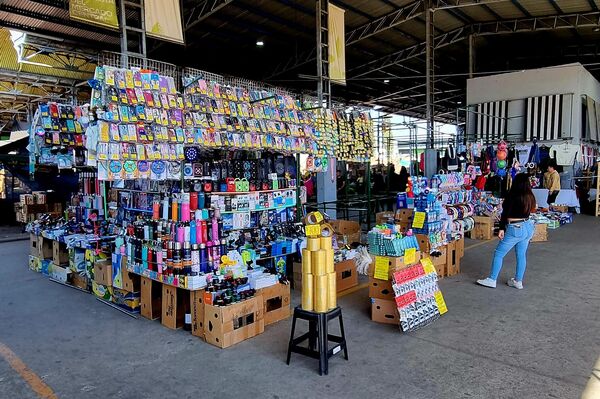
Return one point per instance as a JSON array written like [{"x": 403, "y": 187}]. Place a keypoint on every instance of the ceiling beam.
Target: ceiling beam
[
  {"x": 551, "y": 22},
  {"x": 204, "y": 10},
  {"x": 371, "y": 28}
]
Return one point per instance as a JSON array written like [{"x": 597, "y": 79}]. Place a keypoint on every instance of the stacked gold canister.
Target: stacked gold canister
[{"x": 318, "y": 271}]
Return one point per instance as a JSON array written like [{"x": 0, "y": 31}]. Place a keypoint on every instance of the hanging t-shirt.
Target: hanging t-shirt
[
  {"x": 523, "y": 153},
  {"x": 565, "y": 153}
]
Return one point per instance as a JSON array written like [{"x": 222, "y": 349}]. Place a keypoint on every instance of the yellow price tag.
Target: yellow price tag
[
  {"x": 318, "y": 216},
  {"x": 313, "y": 230},
  {"x": 428, "y": 266},
  {"x": 410, "y": 256},
  {"x": 419, "y": 220},
  {"x": 382, "y": 267},
  {"x": 441, "y": 304}
]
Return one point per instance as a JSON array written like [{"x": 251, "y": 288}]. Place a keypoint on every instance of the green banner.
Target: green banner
[{"x": 97, "y": 12}]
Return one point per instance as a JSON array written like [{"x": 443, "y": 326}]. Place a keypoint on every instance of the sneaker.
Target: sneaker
[
  {"x": 488, "y": 282},
  {"x": 514, "y": 283}
]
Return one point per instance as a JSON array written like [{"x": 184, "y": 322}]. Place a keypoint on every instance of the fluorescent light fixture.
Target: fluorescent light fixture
[
  {"x": 459, "y": 102},
  {"x": 376, "y": 107},
  {"x": 260, "y": 43},
  {"x": 386, "y": 81}
]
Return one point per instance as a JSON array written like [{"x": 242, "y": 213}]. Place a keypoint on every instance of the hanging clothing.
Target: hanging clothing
[
  {"x": 565, "y": 154},
  {"x": 523, "y": 153},
  {"x": 450, "y": 160},
  {"x": 534, "y": 154}
]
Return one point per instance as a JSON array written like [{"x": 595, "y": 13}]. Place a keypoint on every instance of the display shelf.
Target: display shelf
[
  {"x": 137, "y": 210},
  {"x": 251, "y": 192},
  {"x": 260, "y": 210}
]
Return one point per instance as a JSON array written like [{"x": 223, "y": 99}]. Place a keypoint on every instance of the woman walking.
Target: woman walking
[{"x": 515, "y": 231}]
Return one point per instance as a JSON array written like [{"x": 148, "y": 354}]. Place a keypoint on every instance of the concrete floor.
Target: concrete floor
[{"x": 537, "y": 343}]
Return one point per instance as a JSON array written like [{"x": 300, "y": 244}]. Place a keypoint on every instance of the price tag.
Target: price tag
[
  {"x": 313, "y": 230},
  {"x": 441, "y": 304},
  {"x": 410, "y": 256},
  {"x": 428, "y": 266},
  {"x": 382, "y": 267},
  {"x": 419, "y": 220},
  {"x": 318, "y": 216}
]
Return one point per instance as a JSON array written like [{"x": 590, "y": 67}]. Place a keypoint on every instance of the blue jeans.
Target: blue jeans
[{"x": 516, "y": 235}]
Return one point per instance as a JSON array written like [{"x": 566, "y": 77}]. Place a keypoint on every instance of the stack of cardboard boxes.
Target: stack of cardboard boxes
[
  {"x": 31, "y": 206},
  {"x": 383, "y": 300},
  {"x": 446, "y": 258}
]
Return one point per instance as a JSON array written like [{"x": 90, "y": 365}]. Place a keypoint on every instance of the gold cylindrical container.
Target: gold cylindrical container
[
  {"x": 319, "y": 262},
  {"x": 326, "y": 243},
  {"x": 313, "y": 243},
  {"x": 320, "y": 303},
  {"x": 331, "y": 291},
  {"x": 329, "y": 265},
  {"x": 308, "y": 292},
  {"x": 306, "y": 261}
]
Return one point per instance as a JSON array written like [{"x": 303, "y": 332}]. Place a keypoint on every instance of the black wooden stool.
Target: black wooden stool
[{"x": 317, "y": 336}]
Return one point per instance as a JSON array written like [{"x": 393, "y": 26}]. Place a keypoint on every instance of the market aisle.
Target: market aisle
[{"x": 538, "y": 342}]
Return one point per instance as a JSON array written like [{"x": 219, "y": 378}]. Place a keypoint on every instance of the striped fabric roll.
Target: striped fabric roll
[{"x": 544, "y": 117}]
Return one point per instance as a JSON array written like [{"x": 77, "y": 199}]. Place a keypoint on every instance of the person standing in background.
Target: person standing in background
[
  {"x": 403, "y": 180},
  {"x": 516, "y": 230},
  {"x": 552, "y": 183}
]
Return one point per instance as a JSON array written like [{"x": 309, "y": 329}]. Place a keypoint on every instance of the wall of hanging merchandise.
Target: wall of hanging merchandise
[{"x": 59, "y": 136}]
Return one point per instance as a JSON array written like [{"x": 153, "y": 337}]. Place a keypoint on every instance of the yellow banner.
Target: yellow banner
[
  {"x": 163, "y": 20},
  {"x": 96, "y": 12},
  {"x": 337, "y": 45}
]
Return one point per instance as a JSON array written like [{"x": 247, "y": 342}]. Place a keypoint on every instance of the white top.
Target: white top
[{"x": 565, "y": 153}]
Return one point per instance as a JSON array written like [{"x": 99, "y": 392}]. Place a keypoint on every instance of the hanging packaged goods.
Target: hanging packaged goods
[{"x": 146, "y": 127}]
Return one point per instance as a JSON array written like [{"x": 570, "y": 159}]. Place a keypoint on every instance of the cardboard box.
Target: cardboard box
[
  {"x": 228, "y": 325},
  {"x": 44, "y": 246},
  {"x": 394, "y": 262},
  {"x": 151, "y": 298},
  {"x": 173, "y": 306},
  {"x": 33, "y": 245},
  {"x": 80, "y": 281},
  {"x": 197, "y": 308},
  {"x": 347, "y": 232},
  {"x": 59, "y": 273},
  {"x": 381, "y": 289},
  {"x": 276, "y": 303},
  {"x": 102, "y": 291},
  {"x": 460, "y": 247},
  {"x": 129, "y": 301},
  {"x": 424, "y": 245},
  {"x": 121, "y": 277},
  {"x": 297, "y": 280},
  {"x": 484, "y": 228},
  {"x": 383, "y": 217},
  {"x": 346, "y": 275},
  {"x": 60, "y": 254},
  {"x": 103, "y": 272},
  {"x": 452, "y": 259},
  {"x": 77, "y": 259},
  {"x": 560, "y": 208},
  {"x": 35, "y": 263},
  {"x": 405, "y": 215},
  {"x": 541, "y": 233},
  {"x": 383, "y": 311}
]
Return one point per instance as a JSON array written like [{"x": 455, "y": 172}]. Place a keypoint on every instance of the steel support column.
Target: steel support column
[
  {"x": 323, "y": 82},
  {"x": 429, "y": 71},
  {"x": 471, "y": 56}
]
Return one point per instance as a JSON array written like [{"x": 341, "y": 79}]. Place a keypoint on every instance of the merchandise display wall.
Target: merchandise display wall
[{"x": 191, "y": 198}]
